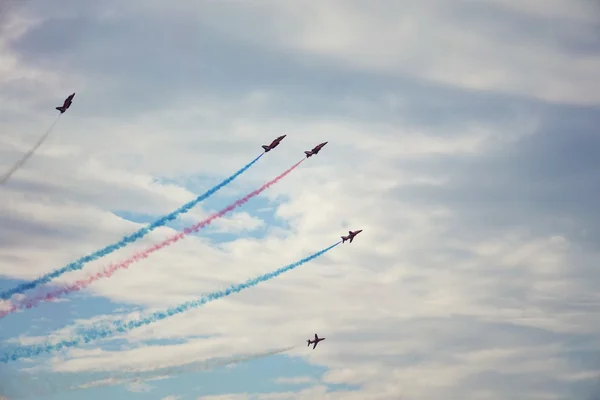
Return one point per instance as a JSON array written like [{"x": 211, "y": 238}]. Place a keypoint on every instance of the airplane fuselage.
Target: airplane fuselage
[
  {"x": 66, "y": 104},
  {"x": 350, "y": 236},
  {"x": 315, "y": 342},
  {"x": 315, "y": 150},
  {"x": 273, "y": 144}
]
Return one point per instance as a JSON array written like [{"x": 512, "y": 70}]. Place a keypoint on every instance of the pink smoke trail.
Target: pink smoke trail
[{"x": 112, "y": 268}]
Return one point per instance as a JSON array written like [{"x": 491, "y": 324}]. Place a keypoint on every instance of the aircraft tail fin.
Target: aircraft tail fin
[
  {"x": 61, "y": 109},
  {"x": 308, "y": 153},
  {"x": 264, "y": 146},
  {"x": 344, "y": 238}
]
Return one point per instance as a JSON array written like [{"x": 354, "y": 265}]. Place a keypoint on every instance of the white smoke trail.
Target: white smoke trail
[
  {"x": 36, "y": 387},
  {"x": 169, "y": 372},
  {"x": 20, "y": 163}
]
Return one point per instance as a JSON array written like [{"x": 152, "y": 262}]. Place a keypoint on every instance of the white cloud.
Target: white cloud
[
  {"x": 295, "y": 380},
  {"x": 581, "y": 12},
  {"x": 139, "y": 387},
  {"x": 454, "y": 44},
  {"x": 225, "y": 397}
]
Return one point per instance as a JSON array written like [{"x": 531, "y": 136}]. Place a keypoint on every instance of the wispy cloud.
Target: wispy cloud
[{"x": 296, "y": 380}]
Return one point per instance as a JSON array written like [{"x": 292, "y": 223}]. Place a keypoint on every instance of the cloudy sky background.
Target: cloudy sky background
[{"x": 463, "y": 138}]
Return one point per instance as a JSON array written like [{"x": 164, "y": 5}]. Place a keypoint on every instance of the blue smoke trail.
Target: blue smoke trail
[
  {"x": 96, "y": 333},
  {"x": 76, "y": 265}
]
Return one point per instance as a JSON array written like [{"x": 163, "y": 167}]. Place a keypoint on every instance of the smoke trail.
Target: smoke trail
[
  {"x": 26, "y": 386},
  {"x": 112, "y": 268},
  {"x": 27, "y": 155},
  {"x": 76, "y": 265},
  {"x": 169, "y": 372},
  {"x": 97, "y": 333}
]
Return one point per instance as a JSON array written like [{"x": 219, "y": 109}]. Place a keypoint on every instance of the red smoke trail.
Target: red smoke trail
[{"x": 112, "y": 268}]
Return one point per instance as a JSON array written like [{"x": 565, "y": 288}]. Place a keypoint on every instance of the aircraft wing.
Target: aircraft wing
[
  {"x": 315, "y": 345},
  {"x": 351, "y": 239}
]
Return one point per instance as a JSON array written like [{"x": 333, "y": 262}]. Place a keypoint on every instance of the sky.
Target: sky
[{"x": 462, "y": 138}]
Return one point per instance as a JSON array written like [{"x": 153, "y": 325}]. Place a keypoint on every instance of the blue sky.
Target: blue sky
[{"x": 463, "y": 140}]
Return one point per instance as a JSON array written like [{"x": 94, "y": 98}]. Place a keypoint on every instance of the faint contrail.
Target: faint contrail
[
  {"x": 27, "y": 386},
  {"x": 76, "y": 265},
  {"x": 168, "y": 372},
  {"x": 112, "y": 268},
  {"x": 27, "y": 155},
  {"x": 98, "y": 333}
]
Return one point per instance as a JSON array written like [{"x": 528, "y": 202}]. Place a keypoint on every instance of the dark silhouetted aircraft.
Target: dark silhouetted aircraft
[
  {"x": 315, "y": 150},
  {"x": 350, "y": 236},
  {"x": 273, "y": 144},
  {"x": 66, "y": 104},
  {"x": 316, "y": 341}
]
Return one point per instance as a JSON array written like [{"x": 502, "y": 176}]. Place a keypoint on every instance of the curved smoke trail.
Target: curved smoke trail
[
  {"x": 76, "y": 265},
  {"x": 99, "y": 333},
  {"x": 112, "y": 268},
  {"x": 27, "y": 155}
]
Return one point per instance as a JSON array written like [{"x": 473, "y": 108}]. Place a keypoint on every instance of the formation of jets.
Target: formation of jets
[
  {"x": 266, "y": 148},
  {"x": 276, "y": 141},
  {"x": 351, "y": 234}
]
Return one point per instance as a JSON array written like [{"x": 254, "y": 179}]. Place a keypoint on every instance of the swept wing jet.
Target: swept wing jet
[
  {"x": 315, "y": 150},
  {"x": 66, "y": 104},
  {"x": 273, "y": 144},
  {"x": 350, "y": 236},
  {"x": 316, "y": 341}
]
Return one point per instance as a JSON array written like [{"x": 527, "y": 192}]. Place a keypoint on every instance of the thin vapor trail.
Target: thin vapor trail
[
  {"x": 99, "y": 333},
  {"x": 112, "y": 268},
  {"x": 169, "y": 372},
  {"x": 26, "y": 386},
  {"x": 27, "y": 155},
  {"x": 77, "y": 265}
]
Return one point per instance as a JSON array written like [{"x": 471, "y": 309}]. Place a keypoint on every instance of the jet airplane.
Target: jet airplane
[
  {"x": 66, "y": 104},
  {"x": 316, "y": 341},
  {"x": 350, "y": 236},
  {"x": 273, "y": 144},
  {"x": 315, "y": 150}
]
